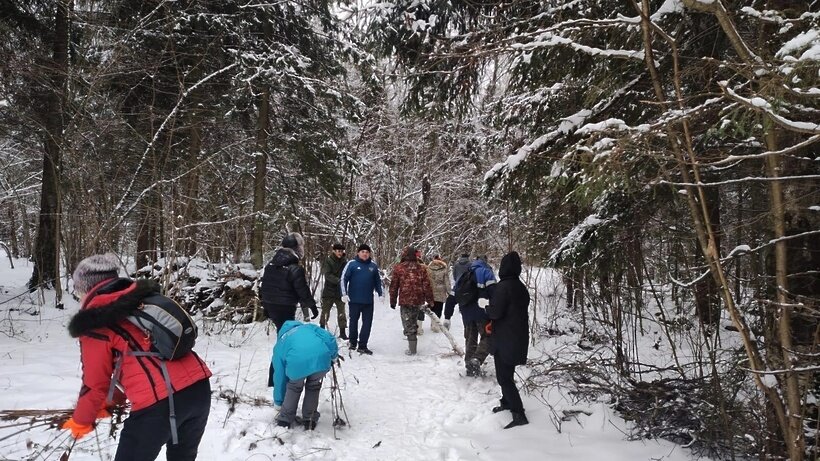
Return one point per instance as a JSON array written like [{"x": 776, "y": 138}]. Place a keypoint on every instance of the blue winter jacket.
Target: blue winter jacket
[
  {"x": 485, "y": 278},
  {"x": 301, "y": 350},
  {"x": 360, "y": 279}
]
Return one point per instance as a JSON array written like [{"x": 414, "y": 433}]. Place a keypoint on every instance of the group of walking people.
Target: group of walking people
[
  {"x": 170, "y": 396},
  {"x": 495, "y": 318}
]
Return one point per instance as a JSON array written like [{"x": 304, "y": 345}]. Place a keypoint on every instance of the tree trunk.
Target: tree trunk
[
  {"x": 47, "y": 243},
  {"x": 262, "y": 125}
]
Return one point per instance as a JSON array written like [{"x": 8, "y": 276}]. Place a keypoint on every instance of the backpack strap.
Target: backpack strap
[
  {"x": 167, "y": 377},
  {"x": 115, "y": 377}
]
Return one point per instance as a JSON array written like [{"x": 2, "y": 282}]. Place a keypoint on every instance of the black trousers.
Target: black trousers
[
  {"x": 505, "y": 375},
  {"x": 146, "y": 431},
  {"x": 279, "y": 314},
  {"x": 449, "y": 306}
]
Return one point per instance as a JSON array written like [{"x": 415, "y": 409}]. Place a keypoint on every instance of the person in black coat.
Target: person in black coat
[
  {"x": 509, "y": 315},
  {"x": 284, "y": 283}
]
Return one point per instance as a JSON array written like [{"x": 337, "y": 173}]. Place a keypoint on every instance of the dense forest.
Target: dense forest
[{"x": 662, "y": 155}]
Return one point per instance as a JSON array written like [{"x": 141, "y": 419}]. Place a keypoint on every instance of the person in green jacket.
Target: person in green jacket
[{"x": 332, "y": 268}]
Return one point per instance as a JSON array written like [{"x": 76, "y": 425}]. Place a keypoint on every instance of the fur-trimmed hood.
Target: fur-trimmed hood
[
  {"x": 437, "y": 265},
  {"x": 110, "y": 303}
]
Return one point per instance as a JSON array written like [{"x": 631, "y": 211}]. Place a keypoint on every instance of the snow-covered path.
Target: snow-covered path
[{"x": 399, "y": 407}]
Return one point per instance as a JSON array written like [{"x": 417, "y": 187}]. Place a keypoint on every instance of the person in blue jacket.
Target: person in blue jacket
[
  {"x": 475, "y": 319},
  {"x": 360, "y": 278},
  {"x": 302, "y": 356}
]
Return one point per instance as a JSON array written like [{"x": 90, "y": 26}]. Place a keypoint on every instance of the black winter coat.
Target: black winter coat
[
  {"x": 284, "y": 282},
  {"x": 509, "y": 312},
  {"x": 332, "y": 268}
]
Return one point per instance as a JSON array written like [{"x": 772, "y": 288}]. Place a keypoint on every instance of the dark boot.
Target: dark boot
[
  {"x": 519, "y": 419},
  {"x": 342, "y": 333},
  {"x": 411, "y": 347},
  {"x": 309, "y": 425},
  {"x": 500, "y": 408}
]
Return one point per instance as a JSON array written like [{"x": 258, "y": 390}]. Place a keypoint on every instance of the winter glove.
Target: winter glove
[
  {"x": 78, "y": 431},
  {"x": 483, "y": 302},
  {"x": 315, "y": 311},
  {"x": 345, "y": 299},
  {"x": 488, "y": 328}
]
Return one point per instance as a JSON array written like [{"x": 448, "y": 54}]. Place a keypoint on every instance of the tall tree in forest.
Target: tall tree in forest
[{"x": 47, "y": 244}]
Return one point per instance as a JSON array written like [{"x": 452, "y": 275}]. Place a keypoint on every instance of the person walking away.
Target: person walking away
[
  {"x": 461, "y": 266},
  {"x": 440, "y": 279},
  {"x": 509, "y": 337},
  {"x": 360, "y": 278},
  {"x": 420, "y": 323},
  {"x": 473, "y": 315},
  {"x": 410, "y": 288},
  {"x": 302, "y": 356},
  {"x": 112, "y": 346},
  {"x": 284, "y": 283},
  {"x": 332, "y": 268}
]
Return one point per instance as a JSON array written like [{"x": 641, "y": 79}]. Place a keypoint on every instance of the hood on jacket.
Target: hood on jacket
[
  {"x": 287, "y": 326},
  {"x": 437, "y": 265},
  {"x": 110, "y": 303},
  {"x": 463, "y": 260},
  {"x": 409, "y": 254},
  {"x": 510, "y": 265},
  {"x": 480, "y": 263},
  {"x": 284, "y": 257},
  {"x": 295, "y": 242}
]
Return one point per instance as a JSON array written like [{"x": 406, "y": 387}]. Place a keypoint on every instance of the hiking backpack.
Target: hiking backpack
[
  {"x": 466, "y": 291},
  {"x": 171, "y": 329}
]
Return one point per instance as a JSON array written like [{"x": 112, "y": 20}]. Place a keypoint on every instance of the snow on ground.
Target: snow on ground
[{"x": 399, "y": 407}]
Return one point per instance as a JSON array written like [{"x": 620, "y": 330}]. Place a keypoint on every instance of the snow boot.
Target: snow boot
[
  {"x": 420, "y": 330},
  {"x": 411, "y": 347},
  {"x": 309, "y": 425},
  {"x": 447, "y": 324},
  {"x": 473, "y": 368},
  {"x": 500, "y": 408},
  {"x": 283, "y": 424},
  {"x": 342, "y": 333},
  {"x": 365, "y": 350},
  {"x": 519, "y": 419}
]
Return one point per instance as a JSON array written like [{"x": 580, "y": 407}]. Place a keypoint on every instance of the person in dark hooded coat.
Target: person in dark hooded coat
[
  {"x": 509, "y": 338},
  {"x": 284, "y": 283}
]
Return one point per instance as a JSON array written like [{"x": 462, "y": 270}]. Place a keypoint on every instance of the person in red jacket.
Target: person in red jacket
[
  {"x": 410, "y": 288},
  {"x": 106, "y": 337}
]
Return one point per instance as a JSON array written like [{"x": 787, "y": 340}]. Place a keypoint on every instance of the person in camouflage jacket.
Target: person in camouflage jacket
[
  {"x": 332, "y": 268},
  {"x": 411, "y": 289}
]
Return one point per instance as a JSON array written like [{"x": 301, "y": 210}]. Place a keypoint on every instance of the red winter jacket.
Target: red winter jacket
[
  {"x": 105, "y": 309},
  {"x": 410, "y": 283}
]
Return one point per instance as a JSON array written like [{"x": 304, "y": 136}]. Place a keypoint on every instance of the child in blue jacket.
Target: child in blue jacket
[{"x": 302, "y": 356}]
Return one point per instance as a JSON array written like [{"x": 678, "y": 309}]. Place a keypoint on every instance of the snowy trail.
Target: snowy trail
[{"x": 399, "y": 407}]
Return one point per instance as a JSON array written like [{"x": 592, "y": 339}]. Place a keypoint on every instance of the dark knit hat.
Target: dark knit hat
[
  {"x": 95, "y": 269},
  {"x": 364, "y": 246},
  {"x": 338, "y": 246},
  {"x": 295, "y": 242}
]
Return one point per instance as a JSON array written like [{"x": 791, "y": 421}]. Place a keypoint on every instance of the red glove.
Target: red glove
[
  {"x": 78, "y": 431},
  {"x": 488, "y": 328}
]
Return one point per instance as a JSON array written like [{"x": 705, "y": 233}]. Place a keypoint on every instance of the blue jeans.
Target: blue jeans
[{"x": 365, "y": 311}]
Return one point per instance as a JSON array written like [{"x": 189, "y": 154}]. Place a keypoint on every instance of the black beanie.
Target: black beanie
[
  {"x": 364, "y": 246},
  {"x": 338, "y": 246}
]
